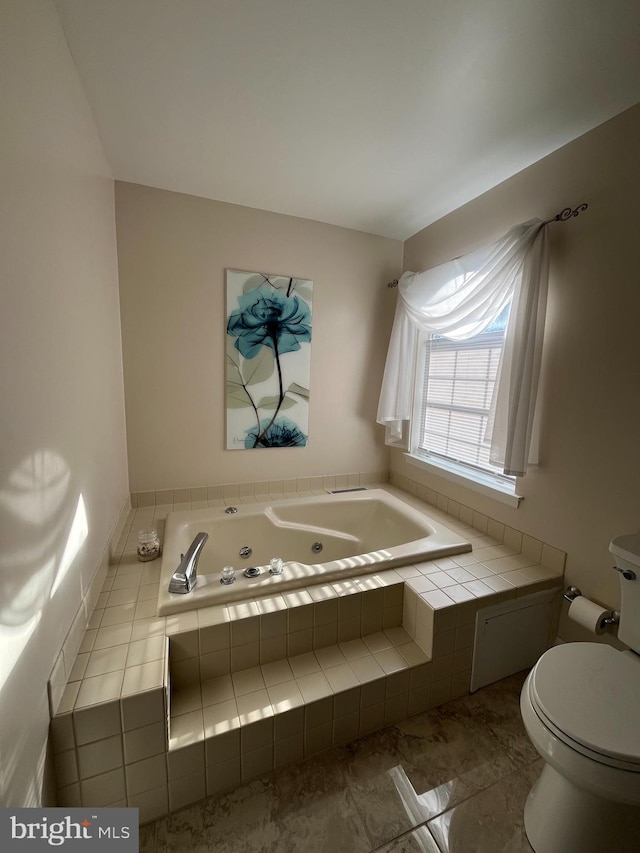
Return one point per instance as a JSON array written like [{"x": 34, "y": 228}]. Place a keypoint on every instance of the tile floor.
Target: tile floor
[{"x": 450, "y": 780}]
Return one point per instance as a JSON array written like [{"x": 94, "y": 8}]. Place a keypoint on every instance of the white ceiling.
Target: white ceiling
[{"x": 379, "y": 115}]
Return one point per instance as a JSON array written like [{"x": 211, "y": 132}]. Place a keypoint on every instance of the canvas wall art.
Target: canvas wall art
[{"x": 268, "y": 360}]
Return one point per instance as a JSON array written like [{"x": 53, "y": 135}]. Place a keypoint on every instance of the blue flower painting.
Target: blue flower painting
[
  {"x": 268, "y": 360},
  {"x": 271, "y": 319},
  {"x": 279, "y": 433}
]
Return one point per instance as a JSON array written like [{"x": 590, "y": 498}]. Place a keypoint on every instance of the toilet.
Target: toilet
[{"x": 580, "y": 706}]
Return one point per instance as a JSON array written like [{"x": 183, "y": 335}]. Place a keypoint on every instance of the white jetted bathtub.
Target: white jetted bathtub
[{"x": 320, "y": 539}]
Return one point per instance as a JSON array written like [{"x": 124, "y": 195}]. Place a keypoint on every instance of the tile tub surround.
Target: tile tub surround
[
  {"x": 110, "y": 735},
  {"x": 257, "y": 491},
  {"x": 63, "y": 668},
  {"x": 232, "y": 728}
]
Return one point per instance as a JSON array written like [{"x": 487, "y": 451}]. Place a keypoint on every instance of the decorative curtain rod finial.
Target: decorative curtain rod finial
[
  {"x": 393, "y": 283},
  {"x": 568, "y": 213}
]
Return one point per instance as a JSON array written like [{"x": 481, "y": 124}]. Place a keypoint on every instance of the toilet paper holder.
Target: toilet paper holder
[{"x": 572, "y": 592}]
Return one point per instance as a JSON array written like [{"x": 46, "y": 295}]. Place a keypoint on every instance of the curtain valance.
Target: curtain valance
[{"x": 460, "y": 299}]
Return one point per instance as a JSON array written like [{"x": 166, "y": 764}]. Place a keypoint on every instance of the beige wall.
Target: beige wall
[
  {"x": 62, "y": 427},
  {"x": 173, "y": 250},
  {"x": 586, "y": 489}
]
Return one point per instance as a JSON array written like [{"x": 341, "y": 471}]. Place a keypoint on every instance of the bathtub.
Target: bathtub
[{"x": 321, "y": 539}]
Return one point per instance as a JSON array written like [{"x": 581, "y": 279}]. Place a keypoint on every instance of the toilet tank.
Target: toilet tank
[{"x": 626, "y": 550}]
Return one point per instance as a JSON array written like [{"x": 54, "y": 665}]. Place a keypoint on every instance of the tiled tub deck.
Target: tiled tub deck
[{"x": 161, "y": 712}]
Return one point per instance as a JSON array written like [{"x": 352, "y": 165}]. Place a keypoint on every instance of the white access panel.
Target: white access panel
[{"x": 511, "y": 636}]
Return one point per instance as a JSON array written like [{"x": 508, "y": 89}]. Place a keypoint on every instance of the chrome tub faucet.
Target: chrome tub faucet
[{"x": 185, "y": 576}]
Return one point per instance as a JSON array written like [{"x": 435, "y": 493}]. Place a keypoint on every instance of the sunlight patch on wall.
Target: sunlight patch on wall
[
  {"x": 40, "y": 541},
  {"x": 13, "y": 639},
  {"x": 77, "y": 535}
]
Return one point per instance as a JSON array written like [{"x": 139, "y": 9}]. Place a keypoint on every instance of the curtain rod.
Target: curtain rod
[{"x": 567, "y": 213}]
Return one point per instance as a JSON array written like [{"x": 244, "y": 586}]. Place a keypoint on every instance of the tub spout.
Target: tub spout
[{"x": 185, "y": 576}]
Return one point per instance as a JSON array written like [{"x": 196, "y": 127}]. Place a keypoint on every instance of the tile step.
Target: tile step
[{"x": 386, "y": 670}]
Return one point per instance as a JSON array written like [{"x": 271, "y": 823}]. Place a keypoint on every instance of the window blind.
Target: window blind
[{"x": 458, "y": 384}]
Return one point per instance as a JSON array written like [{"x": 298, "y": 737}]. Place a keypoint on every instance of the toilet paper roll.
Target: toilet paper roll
[{"x": 588, "y": 614}]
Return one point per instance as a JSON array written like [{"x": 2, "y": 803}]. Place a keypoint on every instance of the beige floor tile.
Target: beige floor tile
[{"x": 490, "y": 822}]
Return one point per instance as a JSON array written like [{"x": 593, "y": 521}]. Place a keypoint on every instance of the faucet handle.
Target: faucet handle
[
  {"x": 228, "y": 575},
  {"x": 275, "y": 565}
]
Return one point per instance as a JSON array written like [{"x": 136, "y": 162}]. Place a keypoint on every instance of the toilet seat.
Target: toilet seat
[{"x": 588, "y": 695}]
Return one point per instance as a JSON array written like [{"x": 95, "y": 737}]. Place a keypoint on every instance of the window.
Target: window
[
  {"x": 455, "y": 384},
  {"x": 452, "y": 385}
]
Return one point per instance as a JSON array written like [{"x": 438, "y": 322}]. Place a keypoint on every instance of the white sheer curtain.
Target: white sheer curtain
[{"x": 460, "y": 299}]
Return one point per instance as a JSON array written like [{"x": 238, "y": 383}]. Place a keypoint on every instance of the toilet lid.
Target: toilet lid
[{"x": 591, "y": 692}]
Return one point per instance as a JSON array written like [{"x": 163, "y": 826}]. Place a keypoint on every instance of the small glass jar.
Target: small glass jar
[{"x": 148, "y": 544}]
